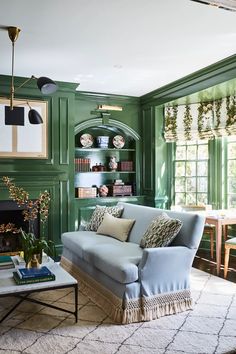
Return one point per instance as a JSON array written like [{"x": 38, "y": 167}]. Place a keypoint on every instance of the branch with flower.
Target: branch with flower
[{"x": 31, "y": 207}]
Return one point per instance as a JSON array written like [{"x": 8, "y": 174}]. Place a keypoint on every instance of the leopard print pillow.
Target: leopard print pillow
[
  {"x": 98, "y": 215},
  {"x": 160, "y": 232}
]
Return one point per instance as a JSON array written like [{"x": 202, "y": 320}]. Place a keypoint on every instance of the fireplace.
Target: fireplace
[{"x": 10, "y": 212}]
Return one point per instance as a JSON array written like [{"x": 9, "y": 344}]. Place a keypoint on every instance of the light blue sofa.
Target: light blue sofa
[{"x": 129, "y": 283}]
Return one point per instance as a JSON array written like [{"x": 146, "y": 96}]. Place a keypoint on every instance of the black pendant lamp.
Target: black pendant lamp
[
  {"x": 34, "y": 117},
  {"x": 45, "y": 85}
]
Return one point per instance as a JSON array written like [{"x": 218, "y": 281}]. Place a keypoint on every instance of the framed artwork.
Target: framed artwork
[{"x": 18, "y": 137}]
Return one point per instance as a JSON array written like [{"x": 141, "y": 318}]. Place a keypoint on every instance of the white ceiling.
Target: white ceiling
[{"x": 128, "y": 47}]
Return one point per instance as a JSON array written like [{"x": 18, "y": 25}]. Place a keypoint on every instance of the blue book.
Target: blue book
[
  {"x": 4, "y": 260},
  {"x": 20, "y": 281},
  {"x": 29, "y": 273}
]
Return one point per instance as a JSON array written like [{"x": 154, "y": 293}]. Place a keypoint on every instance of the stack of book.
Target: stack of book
[
  {"x": 6, "y": 262},
  {"x": 33, "y": 275}
]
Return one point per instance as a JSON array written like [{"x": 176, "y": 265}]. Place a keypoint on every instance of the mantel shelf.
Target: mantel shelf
[{"x": 32, "y": 173}]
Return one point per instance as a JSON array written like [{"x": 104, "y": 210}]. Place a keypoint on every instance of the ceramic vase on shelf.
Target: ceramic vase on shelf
[
  {"x": 113, "y": 164},
  {"x": 102, "y": 141},
  {"x": 103, "y": 191}
]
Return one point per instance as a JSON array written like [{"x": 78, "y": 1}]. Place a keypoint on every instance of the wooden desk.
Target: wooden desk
[{"x": 221, "y": 218}]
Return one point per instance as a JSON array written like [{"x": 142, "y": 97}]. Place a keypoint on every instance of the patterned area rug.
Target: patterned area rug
[{"x": 209, "y": 328}]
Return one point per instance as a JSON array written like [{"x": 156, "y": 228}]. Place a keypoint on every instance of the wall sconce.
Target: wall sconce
[
  {"x": 45, "y": 85},
  {"x": 104, "y": 107}
]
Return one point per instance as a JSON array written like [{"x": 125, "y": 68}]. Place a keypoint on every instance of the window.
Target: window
[
  {"x": 191, "y": 173},
  {"x": 231, "y": 172}
]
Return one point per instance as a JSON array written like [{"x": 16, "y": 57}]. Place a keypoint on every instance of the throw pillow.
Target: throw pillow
[
  {"x": 115, "y": 227},
  {"x": 160, "y": 232},
  {"x": 98, "y": 215}
]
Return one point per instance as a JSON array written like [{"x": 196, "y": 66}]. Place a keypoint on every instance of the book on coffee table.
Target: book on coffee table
[
  {"x": 6, "y": 262},
  {"x": 31, "y": 273},
  {"x": 20, "y": 281}
]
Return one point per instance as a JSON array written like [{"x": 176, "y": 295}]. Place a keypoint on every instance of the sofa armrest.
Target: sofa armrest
[{"x": 165, "y": 269}]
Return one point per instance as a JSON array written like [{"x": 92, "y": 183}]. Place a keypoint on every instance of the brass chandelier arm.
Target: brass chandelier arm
[
  {"x": 25, "y": 82},
  {"x": 12, "y": 77},
  {"x": 13, "y": 33}
]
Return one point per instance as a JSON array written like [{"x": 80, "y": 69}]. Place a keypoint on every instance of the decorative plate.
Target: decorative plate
[
  {"x": 118, "y": 141},
  {"x": 86, "y": 140}
]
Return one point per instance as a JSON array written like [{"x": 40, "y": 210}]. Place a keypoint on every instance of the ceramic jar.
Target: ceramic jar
[{"x": 113, "y": 164}]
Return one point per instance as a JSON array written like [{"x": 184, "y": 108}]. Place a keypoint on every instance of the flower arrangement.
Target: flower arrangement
[{"x": 31, "y": 209}]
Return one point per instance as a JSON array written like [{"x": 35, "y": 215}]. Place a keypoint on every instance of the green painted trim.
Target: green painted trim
[
  {"x": 211, "y": 75},
  {"x": 41, "y": 173},
  {"x": 105, "y": 97}
]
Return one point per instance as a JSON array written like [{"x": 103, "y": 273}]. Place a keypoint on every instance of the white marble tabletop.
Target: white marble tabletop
[{"x": 8, "y": 284}]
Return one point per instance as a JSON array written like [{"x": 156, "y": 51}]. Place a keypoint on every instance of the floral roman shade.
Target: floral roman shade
[{"x": 200, "y": 120}]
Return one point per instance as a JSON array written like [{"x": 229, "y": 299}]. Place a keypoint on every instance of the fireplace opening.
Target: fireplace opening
[{"x": 10, "y": 212}]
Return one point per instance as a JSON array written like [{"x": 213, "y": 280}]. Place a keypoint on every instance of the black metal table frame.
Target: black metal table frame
[{"x": 23, "y": 295}]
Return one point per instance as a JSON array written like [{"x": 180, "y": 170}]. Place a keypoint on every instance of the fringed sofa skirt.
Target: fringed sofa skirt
[{"x": 127, "y": 307}]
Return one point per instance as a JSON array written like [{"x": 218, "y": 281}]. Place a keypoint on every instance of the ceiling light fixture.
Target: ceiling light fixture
[
  {"x": 222, "y": 4},
  {"x": 45, "y": 85}
]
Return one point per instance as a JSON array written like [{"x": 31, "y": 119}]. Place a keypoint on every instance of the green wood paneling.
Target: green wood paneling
[{"x": 148, "y": 125}]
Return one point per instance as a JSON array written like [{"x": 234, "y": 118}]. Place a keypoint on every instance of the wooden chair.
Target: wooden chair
[
  {"x": 210, "y": 230},
  {"x": 231, "y": 243}
]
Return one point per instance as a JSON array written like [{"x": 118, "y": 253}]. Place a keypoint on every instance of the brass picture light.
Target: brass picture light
[
  {"x": 45, "y": 85},
  {"x": 222, "y": 4}
]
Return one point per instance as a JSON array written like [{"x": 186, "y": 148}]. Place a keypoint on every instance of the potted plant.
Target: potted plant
[
  {"x": 33, "y": 248},
  {"x": 31, "y": 245}
]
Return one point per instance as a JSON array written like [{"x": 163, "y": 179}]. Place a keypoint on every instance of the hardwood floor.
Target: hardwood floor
[{"x": 203, "y": 262}]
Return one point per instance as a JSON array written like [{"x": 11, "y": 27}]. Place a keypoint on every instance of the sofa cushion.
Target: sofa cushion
[
  {"x": 115, "y": 227},
  {"x": 80, "y": 241},
  {"x": 98, "y": 215},
  {"x": 160, "y": 232},
  {"x": 118, "y": 260}
]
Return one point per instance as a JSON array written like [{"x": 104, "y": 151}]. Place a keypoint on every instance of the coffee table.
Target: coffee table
[{"x": 63, "y": 280}]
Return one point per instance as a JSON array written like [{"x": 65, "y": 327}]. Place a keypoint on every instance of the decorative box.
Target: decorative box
[
  {"x": 125, "y": 166},
  {"x": 117, "y": 190}
]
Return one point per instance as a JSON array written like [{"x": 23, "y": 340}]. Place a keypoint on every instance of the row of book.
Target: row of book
[
  {"x": 82, "y": 165},
  {"x": 33, "y": 275}
]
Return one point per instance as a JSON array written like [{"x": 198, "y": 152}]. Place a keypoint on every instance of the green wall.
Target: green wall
[{"x": 157, "y": 155}]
